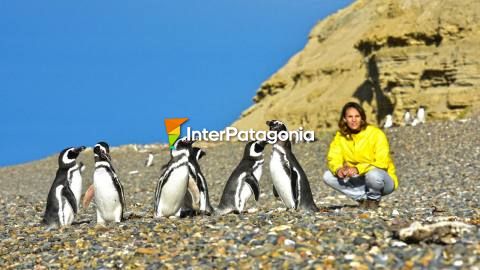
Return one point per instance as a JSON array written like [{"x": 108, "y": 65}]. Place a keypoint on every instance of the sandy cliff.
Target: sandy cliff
[{"x": 390, "y": 55}]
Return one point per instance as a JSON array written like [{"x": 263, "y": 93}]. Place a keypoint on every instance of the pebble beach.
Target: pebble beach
[{"x": 438, "y": 165}]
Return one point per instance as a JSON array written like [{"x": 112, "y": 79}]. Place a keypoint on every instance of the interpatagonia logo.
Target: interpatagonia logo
[{"x": 173, "y": 129}]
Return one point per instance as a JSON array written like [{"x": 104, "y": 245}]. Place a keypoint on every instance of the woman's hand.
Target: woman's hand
[
  {"x": 351, "y": 171},
  {"x": 347, "y": 172},
  {"x": 342, "y": 172}
]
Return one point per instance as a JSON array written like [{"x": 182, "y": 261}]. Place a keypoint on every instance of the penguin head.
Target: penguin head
[
  {"x": 69, "y": 155},
  {"x": 182, "y": 146},
  {"x": 101, "y": 152},
  {"x": 104, "y": 146},
  {"x": 276, "y": 125},
  {"x": 254, "y": 150}
]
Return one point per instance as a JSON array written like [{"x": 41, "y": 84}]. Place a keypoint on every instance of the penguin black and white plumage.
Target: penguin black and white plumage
[
  {"x": 149, "y": 160},
  {"x": 388, "y": 123},
  {"x": 172, "y": 185},
  {"x": 289, "y": 180},
  {"x": 76, "y": 183},
  {"x": 244, "y": 180},
  {"x": 407, "y": 118},
  {"x": 197, "y": 198},
  {"x": 62, "y": 201},
  {"x": 421, "y": 115},
  {"x": 109, "y": 195}
]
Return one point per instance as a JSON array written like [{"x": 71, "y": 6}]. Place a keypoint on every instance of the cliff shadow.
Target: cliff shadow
[{"x": 370, "y": 90}]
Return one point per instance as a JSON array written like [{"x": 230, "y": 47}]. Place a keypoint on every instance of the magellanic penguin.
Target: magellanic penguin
[
  {"x": 388, "y": 123},
  {"x": 421, "y": 115},
  {"x": 197, "y": 198},
  {"x": 62, "y": 201},
  {"x": 109, "y": 195},
  {"x": 172, "y": 185},
  {"x": 289, "y": 180},
  {"x": 244, "y": 180},
  {"x": 407, "y": 118}
]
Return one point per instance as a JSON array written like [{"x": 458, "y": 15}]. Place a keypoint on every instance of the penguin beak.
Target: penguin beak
[
  {"x": 262, "y": 143},
  {"x": 276, "y": 125},
  {"x": 105, "y": 155},
  {"x": 79, "y": 149},
  {"x": 271, "y": 124},
  {"x": 188, "y": 142}
]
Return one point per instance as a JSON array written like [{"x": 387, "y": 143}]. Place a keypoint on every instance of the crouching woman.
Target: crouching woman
[{"x": 359, "y": 159}]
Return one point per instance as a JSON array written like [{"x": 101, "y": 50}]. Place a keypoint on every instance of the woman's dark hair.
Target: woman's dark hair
[{"x": 342, "y": 124}]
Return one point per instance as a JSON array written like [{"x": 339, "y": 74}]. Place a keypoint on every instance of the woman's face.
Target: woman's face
[{"x": 353, "y": 119}]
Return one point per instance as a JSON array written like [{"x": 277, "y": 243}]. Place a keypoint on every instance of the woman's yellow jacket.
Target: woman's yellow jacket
[{"x": 366, "y": 150}]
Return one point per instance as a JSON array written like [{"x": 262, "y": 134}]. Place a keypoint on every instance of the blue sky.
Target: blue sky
[{"x": 77, "y": 72}]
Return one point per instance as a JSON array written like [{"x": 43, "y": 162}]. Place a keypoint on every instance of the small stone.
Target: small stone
[
  {"x": 272, "y": 239},
  {"x": 458, "y": 263},
  {"x": 149, "y": 251},
  {"x": 358, "y": 265},
  {"x": 289, "y": 242},
  {"x": 360, "y": 240},
  {"x": 258, "y": 251},
  {"x": 280, "y": 228},
  {"x": 398, "y": 244}
]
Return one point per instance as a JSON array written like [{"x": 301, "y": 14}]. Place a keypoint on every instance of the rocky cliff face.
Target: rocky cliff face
[{"x": 391, "y": 56}]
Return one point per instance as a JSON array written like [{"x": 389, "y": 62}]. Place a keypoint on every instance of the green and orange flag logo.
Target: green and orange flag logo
[{"x": 173, "y": 129}]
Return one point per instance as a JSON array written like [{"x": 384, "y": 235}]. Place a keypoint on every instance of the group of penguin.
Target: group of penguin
[
  {"x": 63, "y": 200},
  {"x": 182, "y": 188},
  {"x": 408, "y": 120}
]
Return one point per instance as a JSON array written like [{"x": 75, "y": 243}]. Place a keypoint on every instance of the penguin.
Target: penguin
[
  {"x": 415, "y": 122},
  {"x": 244, "y": 180},
  {"x": 407, "y": 118},
  {"x": 62, "y": 201},
  {"x": 289, "y": 179},
  {"x": 388, "y": 121},
  {"x": 76, "y": 183},
  {"x": 109, "y": 195},
  {"x": 149, "y": 161},
  {"x": 197, "y": 197},
  {"x": 421, "y": 115},
  {"x": 172, "y": 184}
]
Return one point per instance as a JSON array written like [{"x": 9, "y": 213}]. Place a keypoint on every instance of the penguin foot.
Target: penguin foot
[
  {"x": 83, "y": 221},
  {"x": 222, "y": 212},
  {"x": 131, "y": 215},
  {"x": 206, "y": 213},
  {"x": 51, "y": 227},
  {"x": 187, "y": 213},
  {"x": 311, "y": 210}
]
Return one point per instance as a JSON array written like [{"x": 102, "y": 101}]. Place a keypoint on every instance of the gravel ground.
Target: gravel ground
[{"x": 437, "y": 164}]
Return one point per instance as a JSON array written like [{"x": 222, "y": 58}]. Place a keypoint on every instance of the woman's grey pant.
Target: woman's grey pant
[{"x": 373, "y": 185}]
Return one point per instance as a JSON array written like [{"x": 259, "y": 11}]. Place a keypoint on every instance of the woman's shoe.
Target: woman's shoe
[{"x": 372, "y": 204}]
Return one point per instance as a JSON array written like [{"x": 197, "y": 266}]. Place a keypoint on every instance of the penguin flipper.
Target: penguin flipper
[
  {"x": 294, "y": 184},
  {"x": 119, "y": 188},
  {"x": 253, "y": 183},
  {"x": 287, "y": 168},
  {"x": 68, "y": 194},
  {"x": 158, "y": 192},
  {"x": 198, "y": 179},
  {"x": 198, "y": 153}
]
